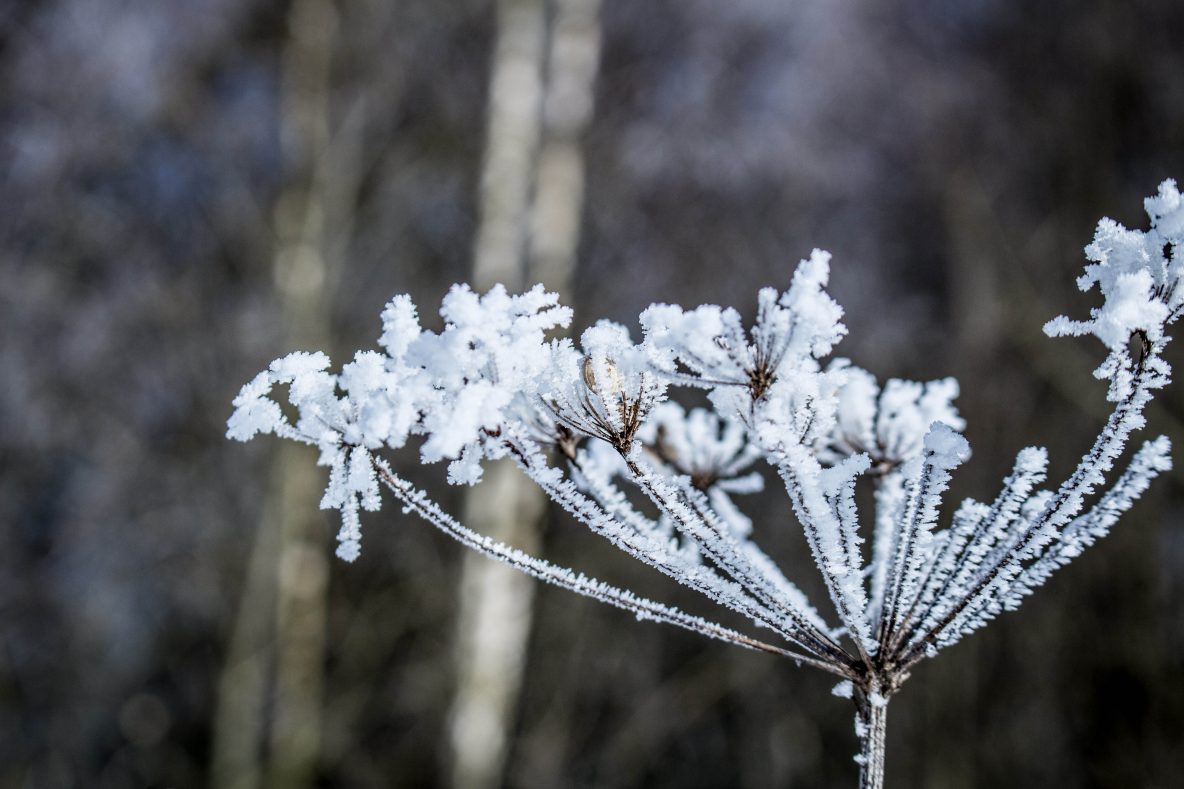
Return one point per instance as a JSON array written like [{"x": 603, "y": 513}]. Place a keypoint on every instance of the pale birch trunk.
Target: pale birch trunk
[{"x": 531, "y": 200}]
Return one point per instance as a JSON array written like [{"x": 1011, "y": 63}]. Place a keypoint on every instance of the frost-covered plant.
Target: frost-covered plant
[{"x": 592, "y": 426}]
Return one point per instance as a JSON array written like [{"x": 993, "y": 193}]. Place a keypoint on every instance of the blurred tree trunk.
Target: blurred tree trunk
[
  {"x": 573, "y": 60},
  {"x": 495, "y": 602},
  {"x": 532, "y": 191},
  {"x": 279, "y": 638}
]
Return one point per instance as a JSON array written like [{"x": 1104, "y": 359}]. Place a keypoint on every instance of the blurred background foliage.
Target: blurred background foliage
[{"x": 953, "y": 156}]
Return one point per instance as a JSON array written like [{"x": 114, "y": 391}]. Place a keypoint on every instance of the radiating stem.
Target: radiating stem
[{"x": 871, "y": 721}]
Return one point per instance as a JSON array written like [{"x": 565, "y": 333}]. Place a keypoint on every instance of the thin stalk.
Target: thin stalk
[{"x": 872, "y": 725}]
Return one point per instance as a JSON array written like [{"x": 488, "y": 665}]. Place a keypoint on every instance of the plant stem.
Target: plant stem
[{"x": 872, "y": 725}]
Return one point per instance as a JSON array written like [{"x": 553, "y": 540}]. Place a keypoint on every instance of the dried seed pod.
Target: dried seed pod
[
  {"x": 615, "y": 383},
  {"x": 589, "y": 374}
]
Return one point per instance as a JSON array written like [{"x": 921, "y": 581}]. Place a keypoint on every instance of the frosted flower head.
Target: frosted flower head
[
  {"x": 608, "y": 390},
  {"x": 799, "y": 408},
  {"x": 698, "y": 443},
  {"x": 458, "y": 388},
  {"x": 713, "y": 453},
  {"x": 889, "y": 424},
  {"x": 345, "y": 416},
  {"x": 538, "y": 424},
  {"x": 708, "y": 347},
  {"x": 254, "y": 412},
  {"x": 1139, "y": 275},
  {"x": 323, "y": 417},
  {"x": 492, "y": 348}
]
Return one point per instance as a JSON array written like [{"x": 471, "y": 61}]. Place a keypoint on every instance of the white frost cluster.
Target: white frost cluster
[
  {"x": 1138, "y": 274},
  {"x": 888, "y": 424},
  {"x": 592, "y": 426},
  {"x": 714, "y": 453},
  {"x": 456, "y": 388},
  {"x": 768, "y": 377}
]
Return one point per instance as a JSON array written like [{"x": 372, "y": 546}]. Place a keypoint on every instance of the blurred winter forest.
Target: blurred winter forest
[{"x": 190, "y": 189}]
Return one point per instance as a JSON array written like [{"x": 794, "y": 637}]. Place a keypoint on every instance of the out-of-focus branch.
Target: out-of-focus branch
[{"x": 532, "y": 147}]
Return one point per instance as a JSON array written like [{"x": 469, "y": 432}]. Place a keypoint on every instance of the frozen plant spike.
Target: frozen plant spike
[{"x": 592, "y": 426}]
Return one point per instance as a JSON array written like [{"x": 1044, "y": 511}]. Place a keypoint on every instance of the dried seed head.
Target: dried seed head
[
  {"x": 589, "y": 374},
  {"x": 615, "y": 383}
]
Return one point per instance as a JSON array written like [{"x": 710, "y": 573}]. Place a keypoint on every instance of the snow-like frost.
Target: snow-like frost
[
  {"x": 1138, "y": 273},
  {"x": 945, "y": 448}
]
